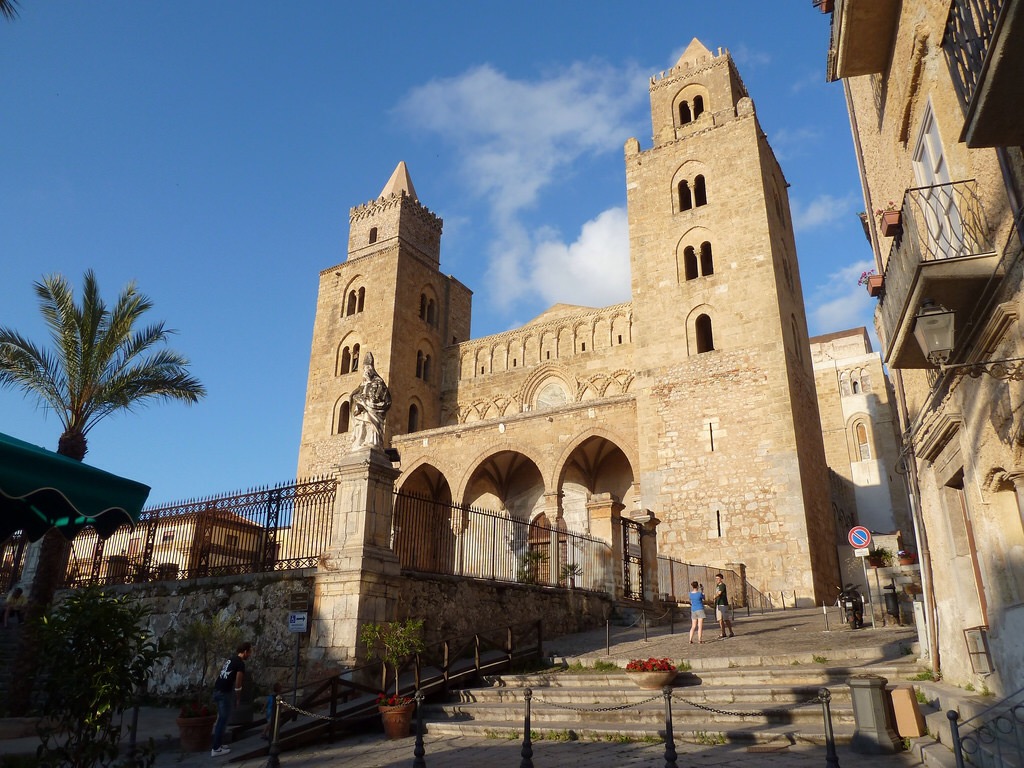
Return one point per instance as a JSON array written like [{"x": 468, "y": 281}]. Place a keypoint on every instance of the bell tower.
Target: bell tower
[
  {"x": 726, "y": 383},
  {"x": 389, "y": 298}
]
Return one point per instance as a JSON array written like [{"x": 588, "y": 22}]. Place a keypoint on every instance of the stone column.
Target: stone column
[
  {"x": 605, "y": 513},
  {"x": 874, "y": 734},
  {"x": 357, "y": 578},
  {"x": 649, "y": 553},
  {"x": 551, "y": 512}
]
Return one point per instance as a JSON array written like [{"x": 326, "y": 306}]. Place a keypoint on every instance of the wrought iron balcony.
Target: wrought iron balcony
[
  {"x": 982, "y": 43},
  {"x": 943, "y": 253},
  {"x": 862, "y": 36}
]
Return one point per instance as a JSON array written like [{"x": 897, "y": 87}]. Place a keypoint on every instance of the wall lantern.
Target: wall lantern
[{"x": 934, "y": 331}]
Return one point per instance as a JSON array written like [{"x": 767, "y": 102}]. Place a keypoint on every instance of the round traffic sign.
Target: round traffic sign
[{"x": 859, "y": 537}]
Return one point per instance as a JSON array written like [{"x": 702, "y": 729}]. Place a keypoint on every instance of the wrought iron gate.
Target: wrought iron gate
[{"x": 632, "y": 560}]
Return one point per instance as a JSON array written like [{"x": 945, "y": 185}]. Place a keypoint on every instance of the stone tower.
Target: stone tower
[
  {"x": 731, "y": 455},
  {"x": 388, "y": 298}
]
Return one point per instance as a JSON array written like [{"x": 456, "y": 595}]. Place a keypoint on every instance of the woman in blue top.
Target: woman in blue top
[{"x": 696, "y": 611}]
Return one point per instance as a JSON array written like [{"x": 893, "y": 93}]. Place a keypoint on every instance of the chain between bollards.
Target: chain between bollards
[
  {"x": 670, "y": 741},
  {"x": 831, "y": 758},
  {"x": 527, "y": 752},
  {"x": 418, "y": 751}
]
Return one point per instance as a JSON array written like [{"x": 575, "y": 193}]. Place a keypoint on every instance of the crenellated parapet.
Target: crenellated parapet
[{"x": 399, "y": 202}]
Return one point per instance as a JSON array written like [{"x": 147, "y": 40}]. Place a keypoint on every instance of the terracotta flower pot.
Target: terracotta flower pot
[
  {"x": 196, "y": 732},
  {"x": 892, "y": 223},
  {"x": 652, "y": 681},
  {"x": 397, "y": 719},
  {"x": 874, "y": 285}
]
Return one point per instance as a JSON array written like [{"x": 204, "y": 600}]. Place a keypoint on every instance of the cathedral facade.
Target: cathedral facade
[{"x": 693, "y": 402}]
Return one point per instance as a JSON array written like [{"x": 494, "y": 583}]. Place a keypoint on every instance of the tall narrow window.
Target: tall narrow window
[
  {"x": 423, "y": 306},
  {"x": 419, "y": 365},
  {"x": 426, "y": 368},
  {"x": 863, "y": 447},
  {"x": 431, "y": 312},
  {"x": 343, "y": 417},
  {"x": 689, "y": 263},
  {"x": 684, "y": 113},
  {"x": 414, "y": 418},
  {"x": 362, "y": 299},
  {"x": 705, "y": 339},
  {"x": 707, "y": 263},
  {"x": 355, "y": 357},
  {"x": 346, "y": 360},
  {"x": 700, "y": 193},
  {"x": 373, "y": 235},
  {"x": 351, "y": 308},
  {"x": 685, "y": 198},
  {"x": 698, "y": 106}
]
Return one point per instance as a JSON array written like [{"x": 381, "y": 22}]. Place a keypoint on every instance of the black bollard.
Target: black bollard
[
  {"x": 954, "y": 730},
  {"x": 831, "y": 758},
  {"x": 273, "y": 754},
  {"x": 418, "y": 751},
  {"x": 643, "y": 616},
  {"x": 607, "y": 637},
  {"x": 671, "y": 619},
  {"x": 527, "y": 752},
  {"x": 670, "y": 740}
]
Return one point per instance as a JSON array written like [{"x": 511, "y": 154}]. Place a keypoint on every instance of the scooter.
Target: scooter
[{"x": 853, "y": 606}]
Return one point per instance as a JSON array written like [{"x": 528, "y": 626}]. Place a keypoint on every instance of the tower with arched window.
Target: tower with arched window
[{"x": 389, "y": 298}]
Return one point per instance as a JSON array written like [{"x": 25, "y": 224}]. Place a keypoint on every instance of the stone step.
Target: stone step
[
  {"x": 700, "y": 733},
  {"x": 611, "y": 695}
]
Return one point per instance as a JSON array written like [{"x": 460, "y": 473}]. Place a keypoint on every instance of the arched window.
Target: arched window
[
  {"x": 863, "y": 446},
  {"x": 707, "y": 263},
  {"x": 705, "y": 339},
  {"x": 689, "y": 263},
  {"x": 414, "y": 418},
  {"x": 355, "y": 357},
  {"x": 698, "y": 106},
  {"x": 362, "y": 299},
  {"x": 844, "y": 384},
  {"x": 430, "y": 312},
  {"x": 419, "y": 365},
  {"x": 343, "y": 417},
  {"x": 700, "y": 193},
  {"x": 426, "y": 368},
  {"x": 423, "y": 306},
  {"x": 684, "y": 113},
  {"x": 856, "y": 387},
  {"x": 346, "y": 360},
  {"x": 352, "y": 299},
  {"x": 373, "y": 235},
  {"x": 685, "y": 198}
]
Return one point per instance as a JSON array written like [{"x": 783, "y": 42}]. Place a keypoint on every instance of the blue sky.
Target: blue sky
[{"x": 211, "y": 153}]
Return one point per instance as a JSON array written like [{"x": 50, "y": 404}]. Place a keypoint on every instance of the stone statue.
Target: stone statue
[{"x": 370, "y": 404}]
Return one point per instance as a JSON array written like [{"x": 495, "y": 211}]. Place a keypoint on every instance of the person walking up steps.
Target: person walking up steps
[
  {"x": 697, "y": 614},
  {"x": 722, "y": 610},
  {"x": 227, "y": 690}
]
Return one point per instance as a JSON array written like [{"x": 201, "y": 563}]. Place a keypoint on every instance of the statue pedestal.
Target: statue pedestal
[{"x": 357, "y": 579}]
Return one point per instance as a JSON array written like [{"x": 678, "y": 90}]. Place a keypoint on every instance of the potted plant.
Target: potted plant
[
  {"x": 880, "y": 557},
  {"x": 905, "y": 557},
  {"x": 872, "y": 282},
  {"x": 567, "y": 574},
  {"x": 393, "y": 642},
  {"x": 195, "y": 726},
  {"x": 890, "y": 219},
  {"x": 651, "y": 673}
]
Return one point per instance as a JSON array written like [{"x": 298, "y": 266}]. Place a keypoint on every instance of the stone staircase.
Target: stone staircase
[{"x": 752, "y": 704}]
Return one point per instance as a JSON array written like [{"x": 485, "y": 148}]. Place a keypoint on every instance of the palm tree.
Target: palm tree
[
  {"x": 9, "y": 9},
  {"x": 101, "y": 364}
]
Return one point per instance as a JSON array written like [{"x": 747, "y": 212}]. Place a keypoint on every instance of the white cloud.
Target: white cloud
[
  {"x": 840, "y": 303},
  {"x": 822, "y": 211},
  {"x": 592, "y": 271}
]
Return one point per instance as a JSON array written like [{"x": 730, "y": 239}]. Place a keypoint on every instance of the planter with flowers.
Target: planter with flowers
[
  {"x": 890, "y": 219},
  {"x": 906, "y": 558},
  {"x": 872, "y": 282},
  {"x": 652, "y": 673},
  {"x": 195, "y": 726},
  {"x": 393, "y": 642}
]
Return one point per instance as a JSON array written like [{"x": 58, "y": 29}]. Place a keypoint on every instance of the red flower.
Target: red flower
[
  {"x": 650, "y": 665},
  {"x": 392, "y": 700},
  {"x": 194, "y": 709}
]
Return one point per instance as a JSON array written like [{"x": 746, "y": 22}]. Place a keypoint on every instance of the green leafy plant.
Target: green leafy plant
[
  {"x": 529, "y": 565},
  {"x": 568, "y": 572},
  {"x": 393, "y": 642},
  {"x": 95, "y": 655},
  {"x": 206, "y": 640},
  {"x": 883, "y": 554},
  {"x": 820, "y": 659},
  {"x": 921, "y": 696}
]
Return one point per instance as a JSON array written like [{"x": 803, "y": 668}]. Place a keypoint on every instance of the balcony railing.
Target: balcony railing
[
  {"x": 969, "y": 30},
  {"x": 944, "y": 250}
]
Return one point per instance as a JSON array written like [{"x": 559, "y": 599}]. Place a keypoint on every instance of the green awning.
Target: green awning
[{"x": 40, "y": 490}]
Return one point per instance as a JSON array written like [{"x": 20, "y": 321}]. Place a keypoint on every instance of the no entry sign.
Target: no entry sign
[{"x": 859, "y": 537}]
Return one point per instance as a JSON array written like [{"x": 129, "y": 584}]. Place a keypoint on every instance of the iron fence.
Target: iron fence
[
  {"x": 12, "y": 559},
  {"x": 994, "y": 737},
  {"x": 277, "y": 528},
  {"x": 435, "y": 537},
  {"x": 969, "y": 29},
  {"x": 675, "y": 577}
]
